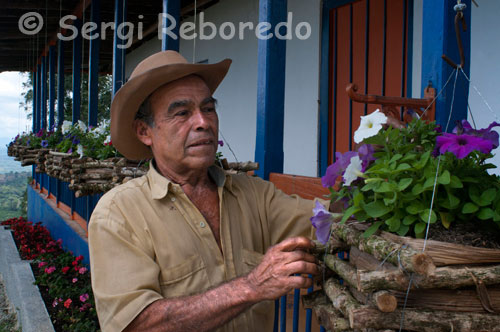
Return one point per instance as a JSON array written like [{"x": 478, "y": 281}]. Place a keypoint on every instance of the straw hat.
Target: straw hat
[{"x": 153, "y": 72}]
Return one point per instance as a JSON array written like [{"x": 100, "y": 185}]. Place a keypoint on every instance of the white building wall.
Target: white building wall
[{"x": 237, "y": 94}]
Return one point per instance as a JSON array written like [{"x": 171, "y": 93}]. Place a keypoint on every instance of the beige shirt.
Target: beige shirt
[{"x": 148, "y": 241}]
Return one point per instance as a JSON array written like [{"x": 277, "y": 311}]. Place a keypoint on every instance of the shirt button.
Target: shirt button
[
  {"x": 173, "y": 199},
  {"x": 202, "y": 224}
]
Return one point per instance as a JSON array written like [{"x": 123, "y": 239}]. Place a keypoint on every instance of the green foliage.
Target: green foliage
[
  {"x": 13, "y": 195},
  {"x": 396, "y": 190}
]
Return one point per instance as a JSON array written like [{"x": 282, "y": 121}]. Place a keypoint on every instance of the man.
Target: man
[{"x": 188, "y": 247}]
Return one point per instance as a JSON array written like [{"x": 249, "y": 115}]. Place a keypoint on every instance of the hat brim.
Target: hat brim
[{"x": 131, "y": 95}]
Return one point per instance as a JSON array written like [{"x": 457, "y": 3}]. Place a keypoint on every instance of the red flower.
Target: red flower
[
  {"x": 65, "y": 269},
  {"x": 79, "y": 258},
  {"x": 49, "y": 270},
  {"x": 67, "y": 303}
]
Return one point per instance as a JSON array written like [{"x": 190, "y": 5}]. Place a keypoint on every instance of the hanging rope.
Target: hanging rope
[{"x": 480, "y": 95}]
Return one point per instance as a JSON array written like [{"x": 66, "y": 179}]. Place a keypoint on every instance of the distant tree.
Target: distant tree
[{"x": 104, "y": 97}]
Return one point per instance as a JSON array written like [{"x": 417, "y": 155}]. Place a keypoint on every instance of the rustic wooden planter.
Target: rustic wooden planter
[{"x": 453, "y": 287}]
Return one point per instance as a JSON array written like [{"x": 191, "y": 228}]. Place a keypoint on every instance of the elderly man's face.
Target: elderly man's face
[{"x": 185, "y": 131}]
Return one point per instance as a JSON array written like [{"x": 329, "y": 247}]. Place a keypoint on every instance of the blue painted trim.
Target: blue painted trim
[
  {"x": 118, "y": 50},
  {"x": 77, "y": 75},
  {"x": 403, "y": 60},
  {"x": 270, "y": 91},
  {"x": 324, "y": 91},
  {"x": 322, "y": 329},
  {"x": 38, "y": 97},
  {"x": 43, "y": 101},
  {"x": 173, "y": 8},
  {"x": 283, "y": 313},
  {"x": 276, "y": 315},
  {"x": 52, "y": 85},
  {"x": 309, "y": 311},
  {"x": 296, "y": 303},
  {"x": 39, "y": 210},
  {"x": 409, "y": 56},
  {"x": 35, "y": 100},
  {"x": 60, "y": 82},
  {"x": 438, "y": 37},
  {"x": 95, "y": 16}
]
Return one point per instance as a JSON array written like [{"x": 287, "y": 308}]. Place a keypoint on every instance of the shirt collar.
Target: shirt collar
[{"x": 160, "y": 185}]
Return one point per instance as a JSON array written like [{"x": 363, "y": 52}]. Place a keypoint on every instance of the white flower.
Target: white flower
[
  {"x": 370, "y": 125},
  {"x": 108, "y": 139},
  {"x": 66, "y": 126},
  {"x": 82, "y": 126},
  {"x": 79, "y": 150},
  {"x": 353, "y": 171}
]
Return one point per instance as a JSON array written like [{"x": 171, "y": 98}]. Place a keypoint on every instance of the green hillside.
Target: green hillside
[{"x": 13, "y": 194}]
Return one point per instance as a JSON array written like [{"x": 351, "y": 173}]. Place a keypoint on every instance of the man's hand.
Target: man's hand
[{"x": 275, "y": 275}]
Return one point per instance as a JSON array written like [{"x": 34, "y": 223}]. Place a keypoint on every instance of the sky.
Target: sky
[{"x": 13, "y": 117}]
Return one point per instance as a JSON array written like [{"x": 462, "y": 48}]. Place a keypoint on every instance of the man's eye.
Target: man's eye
[
  {"x": 209, "y": 109},
  {"x": 181, "y": 113}
]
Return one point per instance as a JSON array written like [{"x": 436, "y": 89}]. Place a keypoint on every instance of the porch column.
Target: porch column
[
  {"x": 77, "y": 67},
  {"x": 39, "y": 97},
  {"x": 270, "y": 89},
  {"x": 60, "y": 83},
  {"x": 35, "y": 97},
  {"x": 95, "y": 16},
  {"x": 438, "y": 38},
  {"x": 52, "y": 85},
  {"x": 119, "y": 46},
  {"x": 43, "y": 102},
  {"x": 172, "y": 8}
]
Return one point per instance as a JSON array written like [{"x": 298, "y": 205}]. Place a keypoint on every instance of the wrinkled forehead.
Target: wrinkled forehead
[{"x": 191, "y": 83}]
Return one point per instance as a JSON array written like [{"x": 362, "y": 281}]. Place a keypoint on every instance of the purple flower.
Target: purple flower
[
  {"x": 337, "y": 168},
  {"x": 28, "y": 142},
  {"x": 486, "y": 133},
  {"x": 462, "y": 145},
  {"x": 70, "y": 150},
  {"x": 75, "y": 141},
  {"x": 45, "y": 143},
  {"x": 365, "y": 152},
  {"x": 40, "y": 133},
  {"x": 321, "y": 220},
  {"x": 221, "y": 142}
]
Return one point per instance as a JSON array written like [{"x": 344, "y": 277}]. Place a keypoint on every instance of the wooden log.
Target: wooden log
[
  {"x": 459, "y": 300},
  {"x": 424, "y": 320},
  {"x": 331, "y": 319},
  {"x": 382, "y": 300},
  {"x": 444, "y": 253},
  {"x": 381, "y": 249},
  {"x": 27, "y": 162},
  {"x": 244, "y": 166},
  {"x": 363, "y": 261},
  {"x": 340, "y": 296},
  {"x": 59, "y": 154},
  {"x": 444, "y": 277}
]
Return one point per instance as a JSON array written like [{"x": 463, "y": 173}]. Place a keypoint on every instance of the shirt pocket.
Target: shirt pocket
[
  {"x": 250, "y": 259},
  {"x": 187, "y": 278}
]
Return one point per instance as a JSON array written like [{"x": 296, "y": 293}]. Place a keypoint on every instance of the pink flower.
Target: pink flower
[
  {"x": 49, "y": 270},
  {"x": 67, "y": 303},
  {"x": 65, "y": 269},
  {"x": 55, "y": 303},
  {"x": 82, "y": 270},
  {"x": 85, "y": 307},
  {"x": 74, "y": 280},
  {"x": 42, "y": 264},
  {"x": 84, "y": 297}
]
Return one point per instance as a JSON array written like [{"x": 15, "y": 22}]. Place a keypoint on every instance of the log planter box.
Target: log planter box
[{"x": 453, "y": 287}]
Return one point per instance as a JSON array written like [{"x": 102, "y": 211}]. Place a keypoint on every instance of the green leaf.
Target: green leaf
[
  {"x": 445, "y": 219},
  {"x": 420, "y": 228},
  {"x": 469, "y": 208},
  {"x": 403, "y": 230},
  {"x": 376, "y": 209},
  {"x": 444, "y": 178},
  {"x": 349, "y": 212},
  {"x": 396, "y": 157},
  {"x": 389, "y": 201},
  {"x": 454, "y": 201},
  {"x": 415, "y": 207},
  {"x": 394, "y": 223},
  {"x": 404, "y": 183},
  {"x": 455, "y": 182},
  {"x": 372, "y": 229},
  {"x": 403, "y": 167},
  {"x": 358, "y": 198},
  {"x": 385, "y": 187},
  {"x": 485, "y": 214},
  {"x": 417, "y": 189},
  {"x": 429, "y": 183},
  {"x": 424, "y": 216},
  {"x": 488, "y": 196},
  {"x": 423, "y": 160},
  {"x": 409, "y": 219}
]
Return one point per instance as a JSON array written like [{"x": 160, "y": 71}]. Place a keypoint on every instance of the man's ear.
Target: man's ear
[{"x": 143, "y": 132}]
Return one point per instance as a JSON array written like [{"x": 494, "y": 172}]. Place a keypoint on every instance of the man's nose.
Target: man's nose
[{"x": 200, "y": 120}]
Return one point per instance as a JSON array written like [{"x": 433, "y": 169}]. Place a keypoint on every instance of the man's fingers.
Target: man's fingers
[
  {"x": 302, "y": 267},
  {"x": 294, "y": 243},
  {"x": 299, "y": 255},
  {"x": 300, "y": 282}
]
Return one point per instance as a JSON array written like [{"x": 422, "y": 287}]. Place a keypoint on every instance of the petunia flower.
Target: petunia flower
[
  {"x": 66, "y": 126},
  {"x": 82, "y": 125},
  {"x": 353, "y": 171},
  {"x": 107, "y": 141},
  {"x": 67, "y": 303},
  {"x": 365, "y": 153},
  {"x": 462, "y": 145},
  {"x": 79, "y": 150},
  {"x": 84, "y": 297},
  {"x": 321, "y": 220},
  {"x": 337, "y": 168},
  {"x": 45, "y": 143},
  {"x": 370, "y": 125},
  {"x": 82, "y": 270},
  {"x": 65, "y": 269},
  {"x": 49, "y": 270},
  {"x": 486, "y": 133},
  {"x": 74, "y": 280},
  {"x": 220, "y": 142}
]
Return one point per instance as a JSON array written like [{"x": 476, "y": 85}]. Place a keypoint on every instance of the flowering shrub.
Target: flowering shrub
[
  {"x": 76, "y": 139},
  {"x": 62, "y": 278},
  {"x": 390, "y": 180}
]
